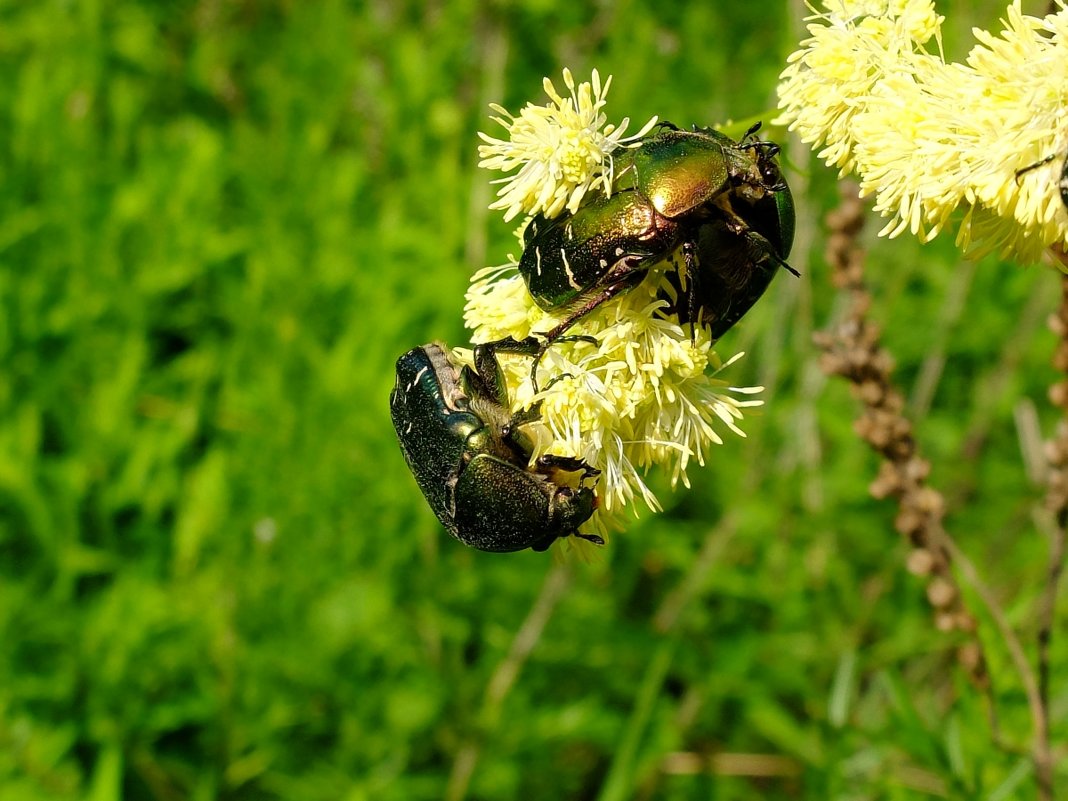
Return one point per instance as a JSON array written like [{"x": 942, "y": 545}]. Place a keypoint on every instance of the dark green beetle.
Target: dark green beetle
[
  {"x": 470, "y": 457},
  {"x": 723, "y": 204},
  {"x": 737, "y": 256}
]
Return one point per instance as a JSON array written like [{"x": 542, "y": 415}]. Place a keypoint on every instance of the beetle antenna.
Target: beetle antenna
[
  {"x": 767, "y": 248},
  {"x": 780, "y": 261}
]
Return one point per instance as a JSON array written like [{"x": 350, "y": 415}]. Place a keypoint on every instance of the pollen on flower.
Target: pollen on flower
[
  {"x": 498, "y": 304},
  {"x": 628, "y": 388},
  {"x": 930, "y": 138},
  {"x": 640, "y": 397},
  {"x": 559, "y": 151},
  {"x": 851, "y": 47}
]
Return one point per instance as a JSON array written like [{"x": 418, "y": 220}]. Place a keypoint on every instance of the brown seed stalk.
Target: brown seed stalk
[{"x": 852, "y": 349}]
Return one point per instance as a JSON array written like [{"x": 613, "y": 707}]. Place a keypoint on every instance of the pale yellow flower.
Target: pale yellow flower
[
  {"x": 1025, "y": 112},
  {"x": 641, "y": 392},
  {"x": 646, "y": 395},
  {"x": 852, "y": 46},
  {"x": 929, "y": 138},
  {"x": 562, "y": 150},
  {"x": 913, "y": 150}
]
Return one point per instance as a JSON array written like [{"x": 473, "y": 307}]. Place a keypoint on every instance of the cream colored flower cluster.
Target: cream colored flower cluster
[
  {"x": 929, "y": 137},
  {"x": 637, "y": 390},
  {"x": 562, "y": 150}
]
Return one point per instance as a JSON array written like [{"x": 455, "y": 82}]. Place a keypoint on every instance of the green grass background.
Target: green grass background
[{"x": 221, "y": 221}]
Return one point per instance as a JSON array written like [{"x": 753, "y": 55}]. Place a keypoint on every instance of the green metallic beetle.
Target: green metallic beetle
[
  {"x": 471, "y": 459},
  {"x": 723, "y": 204},
  {"x": 737, "y": 257}
]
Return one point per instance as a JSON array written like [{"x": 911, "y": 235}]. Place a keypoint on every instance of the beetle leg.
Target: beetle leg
[
  {"x": 487, "y": 365},
  {"x": 568, "y": 464},
  {"x": 488, "y": 379},
  {"x": 488, "y": 369},
  {"x": 1062, "y": 184},
  {"x": 450, "y": 493},
  {"x": 1034, "y": 166},
  {"x": 689, "y": 255},
  {"x": 490, "y": 376},
  {"x": 625, "y": 272},
  {"x": 549, "y": 338},
  {"x": 531, "y": 344},
  {"x": 543, "y": 545},
  {"x": 557, "y": 378},
  {"x": 537, "y": 345}
]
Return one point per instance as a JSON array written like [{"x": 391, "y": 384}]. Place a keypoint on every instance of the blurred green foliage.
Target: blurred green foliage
[{"x": 220, "y": 223}]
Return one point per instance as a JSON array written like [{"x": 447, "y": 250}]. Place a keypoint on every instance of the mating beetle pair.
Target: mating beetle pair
[
  {"x": 724, "y": 204},
  {"x": 470, "y": 456}
]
